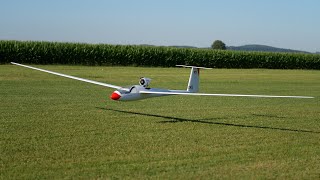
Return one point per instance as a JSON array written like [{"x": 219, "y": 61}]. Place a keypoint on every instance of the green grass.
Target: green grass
[{"x": 53, "y": 127}]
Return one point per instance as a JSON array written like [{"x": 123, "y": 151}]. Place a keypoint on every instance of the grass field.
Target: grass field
[{"x": 53, "y": 127}]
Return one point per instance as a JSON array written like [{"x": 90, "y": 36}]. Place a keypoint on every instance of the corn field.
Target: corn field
[{"x": 134, "y": 55}]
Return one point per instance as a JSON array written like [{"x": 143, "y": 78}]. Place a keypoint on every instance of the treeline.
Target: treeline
[{"x": 135, "y": 55}]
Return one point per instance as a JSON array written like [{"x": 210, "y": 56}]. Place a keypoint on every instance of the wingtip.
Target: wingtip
[{"x": 15, "y": 63}]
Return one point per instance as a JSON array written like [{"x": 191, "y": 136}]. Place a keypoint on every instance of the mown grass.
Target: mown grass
[{"x": 52, "y": 127}]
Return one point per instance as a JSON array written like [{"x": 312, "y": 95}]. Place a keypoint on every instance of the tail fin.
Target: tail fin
[{"x": 193, "y": 84}]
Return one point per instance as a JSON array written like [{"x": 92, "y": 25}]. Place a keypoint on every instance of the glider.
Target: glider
[{"x": 143, "y": 91}]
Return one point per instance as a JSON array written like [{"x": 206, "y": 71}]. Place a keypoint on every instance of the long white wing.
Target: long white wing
[
  {"x": 71, "y": 77},
  {"x": 230, "y": 95}
]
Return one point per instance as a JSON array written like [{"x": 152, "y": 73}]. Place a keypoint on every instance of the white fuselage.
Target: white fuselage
[{"x": 133, "y": 93}]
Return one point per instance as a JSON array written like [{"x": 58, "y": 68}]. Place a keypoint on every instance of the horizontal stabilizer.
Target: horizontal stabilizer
[{"x": 193, "y": 67}]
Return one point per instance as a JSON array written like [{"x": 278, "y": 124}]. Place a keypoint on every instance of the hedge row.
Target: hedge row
[{"x": 132, "y": 55}]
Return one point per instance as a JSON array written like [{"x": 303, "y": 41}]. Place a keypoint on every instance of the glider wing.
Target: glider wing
[
  {"x": 71, "y": 77},
  {"x": 229, "y": 95}
]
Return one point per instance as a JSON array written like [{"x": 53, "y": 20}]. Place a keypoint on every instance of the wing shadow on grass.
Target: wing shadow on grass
[
  {"x": 268, "y": 116},
  {"x": 172, "y": 119}
]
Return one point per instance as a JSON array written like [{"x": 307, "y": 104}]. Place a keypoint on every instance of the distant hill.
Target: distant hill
[
  {"x": 263, "y": 48},
  {"x": 250, "y": 47}
]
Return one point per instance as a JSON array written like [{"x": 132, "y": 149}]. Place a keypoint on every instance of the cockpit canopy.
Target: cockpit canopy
[{"x": 145, "y": 82}]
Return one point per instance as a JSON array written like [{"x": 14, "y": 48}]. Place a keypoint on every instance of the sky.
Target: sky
[{"x": 293, "y": 24}]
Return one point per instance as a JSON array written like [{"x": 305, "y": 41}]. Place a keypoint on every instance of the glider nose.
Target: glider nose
[{"x": 115, "y": 95}]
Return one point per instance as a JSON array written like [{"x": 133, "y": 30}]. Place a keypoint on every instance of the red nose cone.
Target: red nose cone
[{"x": 115, "y": 96}]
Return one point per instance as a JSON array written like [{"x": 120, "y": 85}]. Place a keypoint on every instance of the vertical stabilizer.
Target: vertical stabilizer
[{"x": 193, "y": 84}]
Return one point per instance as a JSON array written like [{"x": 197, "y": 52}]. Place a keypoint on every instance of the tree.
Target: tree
[{"x": 218, "y": 44}]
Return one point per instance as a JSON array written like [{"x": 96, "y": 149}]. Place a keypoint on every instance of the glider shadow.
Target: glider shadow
[{"x": 206, "y": 121}]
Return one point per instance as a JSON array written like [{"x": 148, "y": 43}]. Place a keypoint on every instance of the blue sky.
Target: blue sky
[{"x": 291, "y": 24}]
